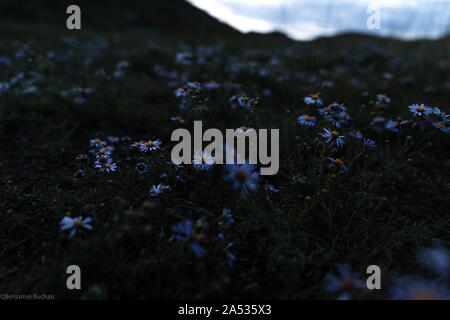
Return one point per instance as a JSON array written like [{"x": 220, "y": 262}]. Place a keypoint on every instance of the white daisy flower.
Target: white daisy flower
[
  {"x": 420, "y": 110},
  {"x": 298, "y": 178},
  {"x": 178, "y": 119},
  {"x": 378, "y": 119},
  {"x": 150, "y": 146},
  {"x": 104, "y": 164},
  {"x": 180, "y": 92},
  {"x": 244, "y": 177},
  {"x": 157, "y": 190},
  {"x": 113, "y": 139},
  {"x": 137, "y": 145},
  {"x": 106, "y": 151},
  {"x": 97, "y": 143},
  {"x": 194, "y": 85},
  {"x": 333, "y": 137},
  {"x": 338, "y": 119},
  {"x": 382, "y": 98},
  {"x": 271, "y": 187},
  {"x": 77, "y": 90},
  {"x": 203, "y": 161},
  {"x": 244, "y": 130},
  {"x": 212, "y": 85},
  {"x": 313, "y": 99},
  {"x": 337, "y": 108},
  {"x": 244, "y": 102},
  {"x": 443, "y": 126},
  {"x": 437, "y": 111},
  {"x": 306, "y": 120},
  {"x": 75, "y": 224}
]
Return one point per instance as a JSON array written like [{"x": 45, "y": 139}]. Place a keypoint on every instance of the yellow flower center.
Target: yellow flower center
[
  {"x": 149, "y": 143},
  {"x": 315, "y": 96},
  {"x": 421, "y": 109},
  {"x": 107, "y": 166},
  {"x": 340, "y": 161},
  {"x": 241, "y": 176},
  {"x": 441, "y": 125},
  {"x": 299, "y": 179},
  {"x": 78, "y": 223},
  {"x": 335, "y": 134},
  {"x": 196, "y": 235},
  {"x": 308, "y": 118},
  {"x": 346, "y": 284},
  {"x": 244, "y": 128}
]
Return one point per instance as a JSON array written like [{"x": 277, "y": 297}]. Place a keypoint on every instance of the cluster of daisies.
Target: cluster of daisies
[
  {"x": 193, "y": 234},
  {"x": 338, "y": 118},
  {"x": 191, "y": 95},
  {"x": 102, "y": 151},
  {"x": 77, "y": 95},
  {"x": 423, "y": 115},
  {"x": 22, "y": 84},
  {"x": 243, "y": 177}
]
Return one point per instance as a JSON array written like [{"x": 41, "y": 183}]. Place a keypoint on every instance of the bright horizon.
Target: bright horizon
[{"x": 308, "y": 19}]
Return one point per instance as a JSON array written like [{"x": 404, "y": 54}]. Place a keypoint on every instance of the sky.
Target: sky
[{"x": 308, "y": 19}]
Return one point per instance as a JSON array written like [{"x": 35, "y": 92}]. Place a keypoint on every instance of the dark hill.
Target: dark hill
[{"x": 158, "y": 16}]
